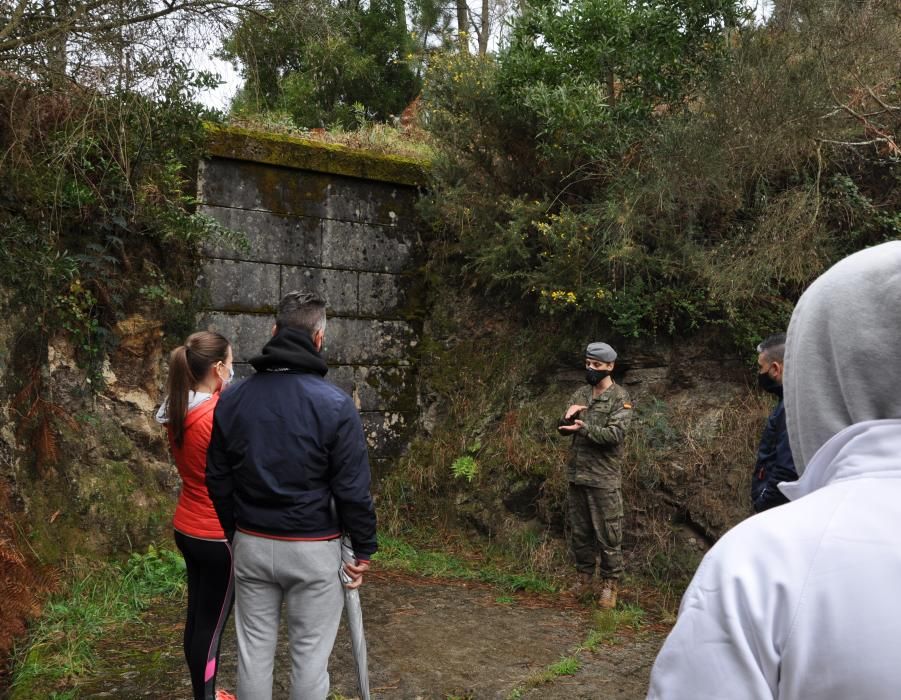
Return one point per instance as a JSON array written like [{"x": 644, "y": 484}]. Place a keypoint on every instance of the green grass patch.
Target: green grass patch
[
  {"x": 397, "y": 554},
  {"x": 567, "y": 666},
  {"x": 61, "y": 644},
  {"x": 606, "y": 624}
]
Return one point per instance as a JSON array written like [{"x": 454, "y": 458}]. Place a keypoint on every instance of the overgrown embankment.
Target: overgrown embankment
[
  {"x": 489, "y": 461},
  {"x": 675, "y": 203},
  {"x": 98, "y": 251}
]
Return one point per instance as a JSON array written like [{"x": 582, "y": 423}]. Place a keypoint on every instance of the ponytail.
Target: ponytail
[
  {"x": 188, "y": 365},
  {"x": 181, "y": 381}
]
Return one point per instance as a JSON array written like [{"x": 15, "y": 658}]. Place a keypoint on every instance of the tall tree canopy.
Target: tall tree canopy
[{"x": 317, "y": 59}]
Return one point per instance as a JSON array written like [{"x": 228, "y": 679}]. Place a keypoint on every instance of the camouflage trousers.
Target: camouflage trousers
[{"x": 596, "y": 525}]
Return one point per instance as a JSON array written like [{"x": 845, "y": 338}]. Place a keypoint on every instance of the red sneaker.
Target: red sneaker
[{"x": 225, "y": 695}]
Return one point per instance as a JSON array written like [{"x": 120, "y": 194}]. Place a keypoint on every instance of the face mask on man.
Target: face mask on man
[
  {"x": 767, "y": 383},
  {"x": 595, "y": 376}
]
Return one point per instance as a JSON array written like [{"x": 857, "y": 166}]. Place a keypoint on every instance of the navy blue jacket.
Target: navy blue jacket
[
  {"x": 284, "y": 443},
  {"x": 774, "y": 462}
]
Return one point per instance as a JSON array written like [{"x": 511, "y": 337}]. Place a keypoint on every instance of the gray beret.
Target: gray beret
[{"x": 601, "y": 352}]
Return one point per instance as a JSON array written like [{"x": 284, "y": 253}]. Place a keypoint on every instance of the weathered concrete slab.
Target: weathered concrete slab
[
  {"x": 381, "y": 294},
  {"x": 364, "y": 201},
  {"x": 355, "y": 341},
  {"x": 271, "y": 237},
  {"x": 241, "y": 286},
  {"x": 363, "y": 247},
  {"x": 381, "y": 388},
  {"x": 288, "y": 192},
  {"x": 247, "y": 333},
  {"x": 301, "y": 153},
  {"x": 339, "y": 287}
]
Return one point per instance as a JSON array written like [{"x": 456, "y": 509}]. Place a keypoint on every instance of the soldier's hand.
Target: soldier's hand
[
  {"x": 355, "y": 571},
  {"x": 577, "y": 424},
  {"x": 573, "y": 410}
]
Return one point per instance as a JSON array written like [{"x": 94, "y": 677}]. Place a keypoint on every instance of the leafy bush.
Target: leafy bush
[
  {"x": 668, "y": 167},
  {"x": 95, "y": 194},
  {"x": 315, "y": 60}
]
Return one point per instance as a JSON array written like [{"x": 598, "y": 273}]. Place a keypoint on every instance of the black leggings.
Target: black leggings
[{"x": 210, "y": 598}]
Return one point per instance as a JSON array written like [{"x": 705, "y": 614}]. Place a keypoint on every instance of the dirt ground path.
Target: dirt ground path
[{"x": 426, "y": 639}]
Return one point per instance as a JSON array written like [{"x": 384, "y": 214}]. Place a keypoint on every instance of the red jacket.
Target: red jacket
[{"x": 194, "y": 514}]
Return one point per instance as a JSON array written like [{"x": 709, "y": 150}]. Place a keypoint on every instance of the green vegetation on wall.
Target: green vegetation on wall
[{"x": 96, "y": 194}]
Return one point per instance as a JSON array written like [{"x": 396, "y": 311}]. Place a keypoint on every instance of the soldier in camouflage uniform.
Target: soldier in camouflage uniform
[{"x": 597, "y": 417}]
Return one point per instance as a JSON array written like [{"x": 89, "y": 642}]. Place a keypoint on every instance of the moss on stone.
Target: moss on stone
[{"x": 303, "y": 154}]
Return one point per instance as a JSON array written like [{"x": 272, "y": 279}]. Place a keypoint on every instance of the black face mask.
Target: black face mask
[
  {"x": 767, "y": 383},
  {"x": 594, "y": 376}
]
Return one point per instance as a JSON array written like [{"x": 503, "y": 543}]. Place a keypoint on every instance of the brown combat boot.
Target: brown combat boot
[{"x": 607, "y": 596}]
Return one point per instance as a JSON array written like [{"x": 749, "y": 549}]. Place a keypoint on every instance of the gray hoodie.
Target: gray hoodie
[
  {"x": 843, "y": 351},
  {"x": 801, "y": 602}
]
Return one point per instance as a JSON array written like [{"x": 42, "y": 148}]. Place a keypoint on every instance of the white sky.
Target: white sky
[{"x": 220, "y": 97}]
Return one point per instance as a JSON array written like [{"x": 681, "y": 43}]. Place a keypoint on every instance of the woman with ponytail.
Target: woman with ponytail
[{"x": 198, "y": 371}]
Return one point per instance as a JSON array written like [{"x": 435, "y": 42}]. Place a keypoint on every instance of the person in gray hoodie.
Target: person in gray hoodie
[{"x": 801, "y": 601}]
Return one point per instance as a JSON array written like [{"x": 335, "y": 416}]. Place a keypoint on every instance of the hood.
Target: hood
[
  {"x": 290, "y": 350},
  {"x": 195, "y": 398},
  {"x": 843, "y": 350},
  {"x": 863, "y": 450}
]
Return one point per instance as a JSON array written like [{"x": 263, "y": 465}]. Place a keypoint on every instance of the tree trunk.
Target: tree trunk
[
  {"x": 57, "y": 44},
  {"x": 463, "y": 25},
  {"x": 485, "y": 28}
]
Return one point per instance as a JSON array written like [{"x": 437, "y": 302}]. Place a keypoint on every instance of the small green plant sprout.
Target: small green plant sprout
[
  {"x": 505, "y": 600},
  {"x": 465, "y": 467},
  {"x": 567, "y": 666}
]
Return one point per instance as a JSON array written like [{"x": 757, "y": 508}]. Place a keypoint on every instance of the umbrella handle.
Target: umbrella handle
[{"x": 347, "y": 556}]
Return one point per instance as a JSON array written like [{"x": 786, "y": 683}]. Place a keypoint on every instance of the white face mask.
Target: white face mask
[{"x": 228, "y": 380}]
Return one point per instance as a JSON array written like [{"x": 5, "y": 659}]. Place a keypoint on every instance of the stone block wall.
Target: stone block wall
[{"x": 346, "y": 231}]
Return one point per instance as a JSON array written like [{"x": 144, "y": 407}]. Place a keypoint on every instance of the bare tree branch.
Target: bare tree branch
[
  {"x": 876, "y": 98},
  {"x": 76, "y": 21}
]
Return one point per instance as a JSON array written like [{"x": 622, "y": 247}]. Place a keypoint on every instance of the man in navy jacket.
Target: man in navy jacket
[
  {"x": 288, "y": 472},
  {"x": 774, "y": 457}
]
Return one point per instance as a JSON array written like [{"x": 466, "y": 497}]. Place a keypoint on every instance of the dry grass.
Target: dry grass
[
  {"x": 686, "y": 481},
  {"x": 406, "y": 141},
  {"x": 23, "y": 583}
]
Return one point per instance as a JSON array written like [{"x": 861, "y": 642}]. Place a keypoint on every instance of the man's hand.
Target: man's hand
[
  {"x": 575, "y": 427},
  {"x": 355, "y": 571},
  {"x": 573, "y": 410}
]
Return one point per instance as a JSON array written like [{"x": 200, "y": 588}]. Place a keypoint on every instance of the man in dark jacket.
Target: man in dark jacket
[
  {"x": 774, "y": 457},
  {"x": 285, "y": 445}
]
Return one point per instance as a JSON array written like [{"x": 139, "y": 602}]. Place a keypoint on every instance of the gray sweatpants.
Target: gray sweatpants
[{"x": 305, "y": 576}]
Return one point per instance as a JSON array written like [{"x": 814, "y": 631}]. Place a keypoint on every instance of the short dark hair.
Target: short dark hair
[
  {"x": 773, "y": 347},
  {"x": 302, "y": 310}
]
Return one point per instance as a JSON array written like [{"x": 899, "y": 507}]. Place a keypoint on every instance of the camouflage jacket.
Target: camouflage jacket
[{"x": 596, "y": 456}]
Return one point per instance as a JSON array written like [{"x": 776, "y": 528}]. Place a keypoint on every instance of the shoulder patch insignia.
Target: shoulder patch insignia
[{"x": 627, "y": 405}]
